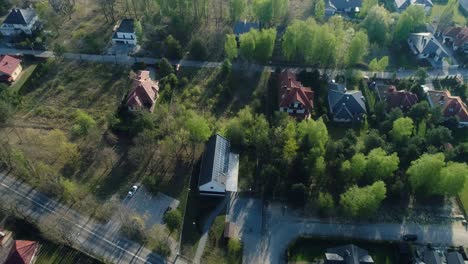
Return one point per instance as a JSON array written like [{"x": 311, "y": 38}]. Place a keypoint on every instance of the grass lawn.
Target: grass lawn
[
  {"x": 24, "y": 76},
  {"x": 313, "y": 249},
  {"x": 437, "y": 10}
]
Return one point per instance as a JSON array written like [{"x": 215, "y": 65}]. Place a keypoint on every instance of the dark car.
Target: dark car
[{"x": 409, "y": 237}]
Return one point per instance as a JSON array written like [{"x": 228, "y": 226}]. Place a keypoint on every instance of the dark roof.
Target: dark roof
[
  {"x": 20, "y": 16},
  {"x": 426, "y": 43},
  {"x": 403, "y": 4},
  {"x": 345, "y": 104},
  {"x": 349, "y": 254},
  {"x": 241, "y": 27},
  {"x": 454, "y": 258},
  {"x": 400, "y": 99},
  {"x": 127, "y": 26},
  {"x": 215, "y": 161},
  {"x": 432, "y": 257},
  {"x": 343, "y": 4}
]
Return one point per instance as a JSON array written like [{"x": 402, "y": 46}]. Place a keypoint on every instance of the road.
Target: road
[
  {"x": 280, "y": 229},
  {"x": 87, "y": 235},
  {"x": 128, "y": 60}
]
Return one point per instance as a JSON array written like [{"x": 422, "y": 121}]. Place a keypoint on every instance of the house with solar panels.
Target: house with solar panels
[{"x": 219, "y": 168}]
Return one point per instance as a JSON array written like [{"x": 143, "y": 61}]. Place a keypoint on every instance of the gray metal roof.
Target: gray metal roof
[
  {"x": 403, "y": 4},
  {"x": 343, "y": 4},
  {"x": 20, "y": 16},
  {"x": 344, "y": 104},
  {"x": 349, "y": 254},
  {"x": 426, "y": 43},
  {"x": 215, "y": 161},
  {"x": 454, "y": 258}
]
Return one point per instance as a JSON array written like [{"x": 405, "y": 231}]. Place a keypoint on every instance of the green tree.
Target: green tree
[
  {"x": 438, "y": 136},
  {"x": 6, "y": 111},
  {"x": 325, "y": 202},
  {"x": 264, "y": 44},
  {"x": 363, "y": 202},
  {"x": 377, "y": 23},
  {"x": 380, "y": 166},
  {"x": 198, "y": 49},
  {"x": 165, "y": 68},
  {"x": 402, "y": 129},
  {"x": 424, "y": 173},
  {"x": 366, "y": 6},
  {"x": 358, "y": 166},
  {"x": 83, "y": 124},
  {"x": 234, "y": 250},
  {"x": 237, "y": 9},
  {"x": 298, "y": 194},
  {"x": 358, "y": 48},
  {"x": 453, "y": 178},
  {"x": 409, "y": 20},
  {"x": 262, "y": 10},
  {"x": 247, "y": 44},
  {"x": 173, "y": 220},
  {"x": 313, "y": 135},
  {"x": 279, "y": 9},
  {"x": 230, "y": 46},
  {"x": 419, "y": 111},
  {"x": 139, "y": 31},
  {"x": 173, "y": 50},
  {"x": 319, "y": 9},
  {"x": 198, "y": 128},
  {"x": 378, "y": 65}
]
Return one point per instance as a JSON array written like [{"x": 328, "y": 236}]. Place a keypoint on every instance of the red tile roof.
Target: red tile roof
[
  {"x": 401, "y": 99},
  {"x": 23, "y": 252},
  {"x": 291, "y": 91},
  {"x": 8, "y": 64},
  {"x": 144, "y": 91},
  {"x": 451, "y": 105},
  {"x": 459, "y": 35}
]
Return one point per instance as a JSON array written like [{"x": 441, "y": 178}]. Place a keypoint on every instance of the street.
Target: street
[{"x": 88, "y": 236}]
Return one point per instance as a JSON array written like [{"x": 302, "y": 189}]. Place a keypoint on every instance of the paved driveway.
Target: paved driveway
[{"x": 152, "y": 207}]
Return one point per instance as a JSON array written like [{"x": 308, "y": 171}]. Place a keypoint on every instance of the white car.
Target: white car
[{"x": 132, "y": 191}]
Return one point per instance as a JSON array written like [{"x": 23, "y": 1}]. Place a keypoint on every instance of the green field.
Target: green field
[
  {"x": 313, "y": 249},
  {"x": 437, "y": 10}
]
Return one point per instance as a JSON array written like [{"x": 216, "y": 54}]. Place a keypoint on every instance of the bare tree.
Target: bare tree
[
  {"x": 108, "y": 8},
  {"x": 66, "y": 7}
]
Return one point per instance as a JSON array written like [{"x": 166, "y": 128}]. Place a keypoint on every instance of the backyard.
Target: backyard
[
  {"x": 438, "y": 9},
  {"x": 313, "y": 250}
]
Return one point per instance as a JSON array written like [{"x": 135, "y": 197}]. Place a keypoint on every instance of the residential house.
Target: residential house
[
  {"x": 395, "y": 99},
  {"x": 401, "y": 5},
  {"x": 144, "y": 92},
  {"x": 426, "y": 46},
  {"x": 451, "y": 106},
  {"x": 10, "y": 68},
  {"x": 16, "y": 251},
  {"x": 219, "y": 168},
  {"x": 242, "y": 27},
  {"x": 20, "y": 21},
  {"x": 349, "y": 254},
  {"x": 125, "y": 33},
  {"x": 345, "y": 106},
  {"x": 294, "y": 99},
  {"x": 456, "y": 37},
  {"x": 431, "y": 256},
  {"x": 342, "y": 7},
  {"x": 455, "y": 258}
]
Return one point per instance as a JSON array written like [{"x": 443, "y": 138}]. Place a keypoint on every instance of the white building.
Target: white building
[
  {"x": 219, "y": 168},
  {"x": 125, "y": 33},
  {"x": 20, "y": 21}
]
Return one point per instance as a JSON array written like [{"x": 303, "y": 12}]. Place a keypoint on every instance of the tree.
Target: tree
[
  {"x": 247, "y": 44},
  {"x": 378, "y": 65},
  {"x": 6, "y": 111},
  {"x": 173, "y": 50},
  {"x": 419, "y": 111},
  {"x": 446, "y": 18},
  {"x": 438, "y": 136},
  {"x": 262, "y": 10},
  {"x": 237, "y": 9},
  {"x": 380, "y": 166},
  {"x": 363, "y": 202},
  {"x": 83, "y": 124},
  {"x": 421, "y": 76},
  {"x": 133, "y": 227},
  {"x": 319, "y": 9},
  {"x": 409, "y": 20},
  {"x": 264, "y": 44},
  {"x": 453, "y": 178},
  {"x": 230, "y": 46},
  {"x": 198, "y": 128},
  {"x": 313, "y": 134},
  {"x": 108, "y": 9},
  {"x": 377, "y": 23},
  {"x": 366, "y": 6},
  {"x": 357, "y": 167},
  {"x": 373, "y": 140},
  {"x": 234, "y": 249},
  {"x": 59, "y": 50},
  {"x": 358, "y": 48},
  {"x": 165, "y": 68},
  {"x": 279, "y": 9},
  {"x": 325, "y": 203},
  {"x": 402, "y": 129},
  {"x": 173, "y": 220},
  {"x": 424, "y": 173}
]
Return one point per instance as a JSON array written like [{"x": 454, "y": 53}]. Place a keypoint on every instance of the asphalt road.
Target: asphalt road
[
  {"x": 87, "y": 235},
  {"x": 116, "y": 59}
]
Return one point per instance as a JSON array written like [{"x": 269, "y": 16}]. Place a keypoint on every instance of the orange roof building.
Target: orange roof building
[
  {"x": 144, "y": 92},
  {"x": 451, "y": 106},
  {"x": 295, "y": 99}
]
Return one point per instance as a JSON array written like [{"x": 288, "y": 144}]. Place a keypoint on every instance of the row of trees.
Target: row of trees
[{"x": 254, "y": 45}]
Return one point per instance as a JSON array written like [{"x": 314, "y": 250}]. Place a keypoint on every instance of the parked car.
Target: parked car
[
  {"x": 409, "y": 237},
  {"x": 132, "y": 191}
]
